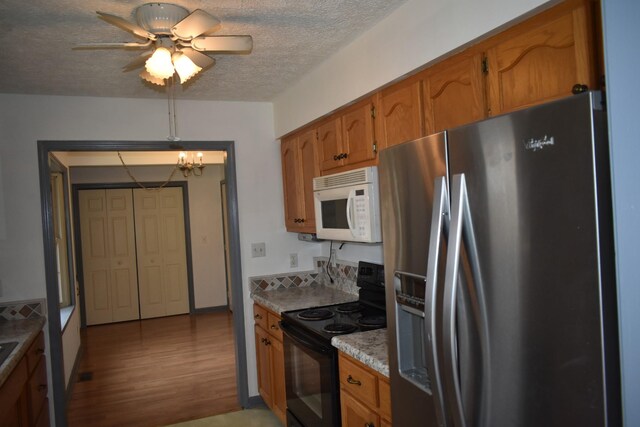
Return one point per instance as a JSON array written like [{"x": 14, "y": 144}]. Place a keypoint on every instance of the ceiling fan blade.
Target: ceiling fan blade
[
  {"x": 195, "y": 24},
  {"x": 233, "y": 44},
  {"x": 126, "y": 25},
  {"x": 200, "y": 59},
  {"x": 138, "y": 62},
  {"x": 112, "y": 45}
]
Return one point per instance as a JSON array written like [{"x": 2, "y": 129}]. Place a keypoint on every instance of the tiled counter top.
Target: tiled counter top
[
  {"x": 295, "y": 298},
  {"x": 24, "y": 332},
  {"x": 368, "y": 347}
]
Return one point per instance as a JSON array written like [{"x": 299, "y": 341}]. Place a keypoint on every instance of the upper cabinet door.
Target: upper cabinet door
[
  {"x": 292, "y": 192},
  {"x": 330, "y": 144},
  {"x": 538, "y": 63},
  {"x": 307, "y": 153},
  {"x": 357, "y": 133},
  {"x": 400, "y": 116},
  {"x": 454, "y": 92}
]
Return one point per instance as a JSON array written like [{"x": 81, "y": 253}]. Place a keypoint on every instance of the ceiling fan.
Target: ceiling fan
[{"x": 175, "y": 40}]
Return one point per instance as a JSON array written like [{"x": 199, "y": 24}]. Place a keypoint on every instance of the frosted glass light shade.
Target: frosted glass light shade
[
  {"x": 159, "y": 65},
  {"x": 144, "y": 74},
  {"x": 184, "y": 66}
]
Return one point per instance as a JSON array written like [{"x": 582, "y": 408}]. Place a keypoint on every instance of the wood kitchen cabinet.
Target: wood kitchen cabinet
[
  {"x": 542, "y": 59},
  {"x": 299, "y": 167},
  {"x": 365, "y": 398},
  {"x": 347, "y": 140},
  {"x": 270, "y": 360},
  {"x": 23, "y": 396},
  {"x": 400, "y": 117},
  {"x": 454, "y": 92}
]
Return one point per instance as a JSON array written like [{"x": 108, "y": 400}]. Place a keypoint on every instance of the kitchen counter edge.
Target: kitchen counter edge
[
  {"x": 286, "y": 299},
  {"x": 368, "y": 347},
  {"x": 24, "y": 331}
]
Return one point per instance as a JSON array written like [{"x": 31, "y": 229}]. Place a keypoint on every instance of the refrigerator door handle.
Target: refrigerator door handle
[
  {"x": 461, "y": 228},
  {"x": 440, "y": 216}
]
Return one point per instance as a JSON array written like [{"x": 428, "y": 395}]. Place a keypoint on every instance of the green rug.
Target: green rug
[{"x": 244, "y": 418}]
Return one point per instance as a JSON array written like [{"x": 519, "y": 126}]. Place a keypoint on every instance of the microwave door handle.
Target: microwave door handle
[{"x": 352, "y": 194}]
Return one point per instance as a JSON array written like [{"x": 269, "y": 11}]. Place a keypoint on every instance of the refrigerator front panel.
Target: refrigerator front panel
[
  {"x": 532, "y": 195},
  {"x": 407, "y": 174}
]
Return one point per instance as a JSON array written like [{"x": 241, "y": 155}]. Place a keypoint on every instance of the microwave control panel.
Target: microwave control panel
[{"x": 360, "y": 207}]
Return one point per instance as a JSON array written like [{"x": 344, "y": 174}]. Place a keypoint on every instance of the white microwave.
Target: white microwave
[{"x": 347, "y": 206}]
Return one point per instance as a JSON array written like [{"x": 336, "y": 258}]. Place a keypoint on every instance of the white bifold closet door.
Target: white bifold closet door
[
  {"x": 161, "y": 252},
  {"x": 108, "y": 256}
]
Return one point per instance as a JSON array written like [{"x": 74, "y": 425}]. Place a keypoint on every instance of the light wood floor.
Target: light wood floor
[{"x": 156, "y": 372}]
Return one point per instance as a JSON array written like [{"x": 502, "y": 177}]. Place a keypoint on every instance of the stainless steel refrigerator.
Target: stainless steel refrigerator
[{"x": 498, "y": 254}]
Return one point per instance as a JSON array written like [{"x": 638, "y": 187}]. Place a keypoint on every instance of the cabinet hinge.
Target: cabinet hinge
[
  {"x": 485, "y": 65},
  {"x": 373, "y": 111},
  {"x": 375, "y": 147}
]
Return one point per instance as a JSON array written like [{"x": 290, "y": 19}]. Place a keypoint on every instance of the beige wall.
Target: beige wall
[{"x": 204, "y": 216}]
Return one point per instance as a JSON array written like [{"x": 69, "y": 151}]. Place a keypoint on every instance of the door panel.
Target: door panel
[
  {"x": 161, "y": 247},
  {"x": 357, "y": 131},
  {"x": 401, "y": 113}
]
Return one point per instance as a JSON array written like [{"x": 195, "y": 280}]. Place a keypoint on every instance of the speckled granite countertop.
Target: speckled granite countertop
[
  {"x": 22, "y": 331},
  {"x": 286, "y": 299},
  {"x": 368, "y": 347}
]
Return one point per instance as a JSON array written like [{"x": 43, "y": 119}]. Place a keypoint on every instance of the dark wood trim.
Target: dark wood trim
[
  {"x": 215, "y": 309},
  {"x": 55, "y": 336}
]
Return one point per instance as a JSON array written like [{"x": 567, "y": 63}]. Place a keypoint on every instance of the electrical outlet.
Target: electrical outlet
[
  {"x": 333, "y": 258},
  {"x": 293, "y": 260},
  {"x": 258, "y": 250}
]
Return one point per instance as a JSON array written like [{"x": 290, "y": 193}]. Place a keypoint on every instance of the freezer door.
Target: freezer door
[
  {"x": 408, "y": 173},
  {"x": 536, "y": 182}
]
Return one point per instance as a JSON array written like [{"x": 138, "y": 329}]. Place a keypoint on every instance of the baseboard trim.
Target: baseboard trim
[
  {"x": 74, "y": 374},
  {"x": 255, "y": 401},
  {"x": 211, "y": 309}
]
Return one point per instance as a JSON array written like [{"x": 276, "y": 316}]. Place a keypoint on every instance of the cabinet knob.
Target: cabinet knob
[
  {"x": 258, "y": 317},
  {"x": 274, "y": 327},
  {"x": 301, "y": 219},
  {"x": 345, "y": 155},
  {"x": 42, "y": 387},
  {"x": 335, "y": 157},
  {"x": 353, "y": 381},
  {"x": 267, "y": 341},
  {"x": 579, "y": 88},
  {"x": 369, "y": 425}
]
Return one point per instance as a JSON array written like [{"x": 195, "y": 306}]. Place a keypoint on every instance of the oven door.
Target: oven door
[{"x": 311, "y": 377}]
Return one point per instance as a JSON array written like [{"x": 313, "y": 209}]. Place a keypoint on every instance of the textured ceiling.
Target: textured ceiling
[{"x": 290, "y": 37}]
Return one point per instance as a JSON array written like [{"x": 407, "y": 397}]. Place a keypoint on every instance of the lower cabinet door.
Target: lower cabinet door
[
  {"x": 279, "y": 391},
  {"x": 356, "y": 414},
  {"x": 263, "y": 359}
]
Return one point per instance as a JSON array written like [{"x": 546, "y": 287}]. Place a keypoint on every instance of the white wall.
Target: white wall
[
  {"x": 26, "y": 119},
  {"x": 415, "y": 34},
  {"x": 205, "y": 216},
  {"x": 622, "y": 61}
]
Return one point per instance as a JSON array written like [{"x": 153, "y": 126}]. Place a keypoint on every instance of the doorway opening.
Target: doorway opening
[{"x": 51, "y": 271}]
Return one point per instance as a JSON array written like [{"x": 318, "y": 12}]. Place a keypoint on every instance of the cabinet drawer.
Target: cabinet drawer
[
  {"x": 35, "y": 352},
  {"x": 385, "y": 398},
  {"x": 37, "y": 390},
  {"x": 358, "y": 382},
  {"x": 260, "y": 316},
  {"x": 274, "y": 326}
]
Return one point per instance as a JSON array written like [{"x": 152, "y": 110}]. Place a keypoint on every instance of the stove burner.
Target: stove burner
[
  {"x": 372, "y": 321},
  {"x": 339, "y": 328},
  {"x": 315, "y": 314},
  {"x": 351, "y": 307}
]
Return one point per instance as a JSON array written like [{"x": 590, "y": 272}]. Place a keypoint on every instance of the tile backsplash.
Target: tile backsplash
[
  {"x": 342, "y": 276},
  {"x": 22, "y": 309}
]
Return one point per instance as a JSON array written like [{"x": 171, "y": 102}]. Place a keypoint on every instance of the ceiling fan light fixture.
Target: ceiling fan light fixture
[
  {"x": 144, "y": 74},
  {"x": 159, "y": 64},
  {"x": 184, "y": 66}
]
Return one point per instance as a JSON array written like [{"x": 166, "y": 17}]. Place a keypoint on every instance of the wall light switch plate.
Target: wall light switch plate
[
  {"x": 293, "y": 260},
  {"x": 258, "y": 250}
]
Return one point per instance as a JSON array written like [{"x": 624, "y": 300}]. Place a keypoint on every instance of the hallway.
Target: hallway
[{"x": 155, "y": 372}]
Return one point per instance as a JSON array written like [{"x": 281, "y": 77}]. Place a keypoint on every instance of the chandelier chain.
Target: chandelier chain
[{"x": 141, "y": 185}]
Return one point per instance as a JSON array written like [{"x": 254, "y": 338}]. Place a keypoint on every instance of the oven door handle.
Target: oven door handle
[{"x": 299, "y": 338}]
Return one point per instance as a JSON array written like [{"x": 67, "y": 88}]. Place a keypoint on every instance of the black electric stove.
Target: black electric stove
[
  {"x": 365, "y": 314},
  {"x": 311, "y": 363}
]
